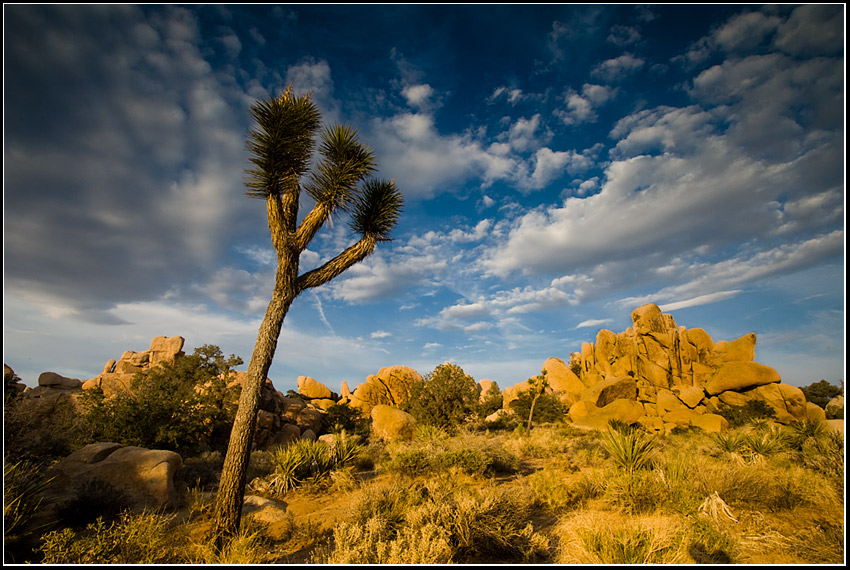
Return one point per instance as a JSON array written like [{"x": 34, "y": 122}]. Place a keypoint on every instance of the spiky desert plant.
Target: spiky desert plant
[{"x": 631, "y": 449}]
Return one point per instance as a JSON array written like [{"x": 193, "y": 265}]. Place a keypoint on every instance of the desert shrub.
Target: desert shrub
[
  {"x": 593, "y": 537},
  {"x": 484, "y": 524},
  {"x": 447, "y": 398},
  {"x": 185, "y": 406},
  {"x": 466, "y": 453},
  {"x": 825, "y": 455},
  {"x": 132, "y": 539},
  {"x": 470, "y": 461},
  {"x": 561, "y": 492},
  {"x": 248, "y": 546},
  {"x": 375, "y": 543},
  {"x": 306, "y": 461},
  {"x": 491, "y": 401},
  {"x": 40, "y": 430},
  {"x": 637, "y": 491},
  {"x": 390, "y": 501},
  {"x": 202, "y": 471},
  {"x": 343, "y": 417},
  {"x": 547, "y": 409},
  {"x": 752, "y": 410},
  {"x": 25, "y": 498},
  {"x": 675, "y": 472},
  {"x": 821, "y": 393}
]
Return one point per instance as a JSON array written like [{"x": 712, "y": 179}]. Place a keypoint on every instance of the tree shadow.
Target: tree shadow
[{"x": 702, "y": 555}]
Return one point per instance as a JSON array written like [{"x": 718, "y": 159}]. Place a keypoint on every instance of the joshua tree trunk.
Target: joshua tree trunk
[{"x": 233, "y": 476}]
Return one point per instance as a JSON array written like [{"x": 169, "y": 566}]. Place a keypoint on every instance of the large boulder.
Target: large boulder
[
  {"x": 392, "y": 424},
  {"x": 561, "y": 378},
  {"x": 741, "y": 349},
  {"x": 144, "y": 477},
  {"x": 54, "y": 380},
  {"x": 390, "y": 386},
  {"x": 835, "y": 408},
  {"x": 165, "y": 349},
  {"x": 626, "y": 411},
  {"x": 741, "y": 375},
  {"x": 313, "y": 389}
]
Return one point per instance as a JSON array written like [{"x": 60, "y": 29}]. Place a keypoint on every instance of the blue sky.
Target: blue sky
[{"x": 561, "y": 166}]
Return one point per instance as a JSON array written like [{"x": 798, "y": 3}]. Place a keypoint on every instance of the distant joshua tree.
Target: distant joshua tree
[{"x": 282, "y": 144}]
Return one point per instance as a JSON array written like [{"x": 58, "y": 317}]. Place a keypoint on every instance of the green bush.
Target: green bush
[
  {"x": 343, "y": 417},
  {"x": 821, "y": 393},
  {"x": 447, "y": 398},
  {"x": 751, "y": 411},
  {"x": 547, "y": 409},
  {"x": 185, "y": 406},
  {"x": 491, "y": 401},
  {"x": 40, "y": 430}
]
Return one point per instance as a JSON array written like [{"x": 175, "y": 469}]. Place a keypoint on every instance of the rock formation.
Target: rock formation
[
  {"x": 117, "y": 375},
  {"x": 390, "y": 386},
  {"x": 662, "y": 376}
]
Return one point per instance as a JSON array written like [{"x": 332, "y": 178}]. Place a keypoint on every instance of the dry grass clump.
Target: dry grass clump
[
  {"x": 436, "y": 522},
  {"x": 601, "y": 537},
  {"x": 145, "y": 538}
]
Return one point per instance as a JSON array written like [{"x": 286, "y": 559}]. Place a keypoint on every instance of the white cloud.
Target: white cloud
[
  {"x": 418, "y": 95},
  {"x": 618, "y": 67},
  {"x": 593, "y": 323},
  {"x": 701, "y": 300}
]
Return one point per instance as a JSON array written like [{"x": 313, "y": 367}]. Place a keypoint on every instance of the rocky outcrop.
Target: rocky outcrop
[
  {"x": 144, "y": 477},
  {"x": 675, "y": 376},
  {"x": 118, "y": 374},
  {"x": 390, "y": 386}
]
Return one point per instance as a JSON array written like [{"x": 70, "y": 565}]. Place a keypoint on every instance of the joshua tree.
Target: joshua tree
[
  {"x": 538, "y": 385},
  {"x": 281, "y": 146}
]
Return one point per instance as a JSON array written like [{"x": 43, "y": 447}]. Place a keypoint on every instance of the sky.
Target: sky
[{"x": 561, "y": 166}]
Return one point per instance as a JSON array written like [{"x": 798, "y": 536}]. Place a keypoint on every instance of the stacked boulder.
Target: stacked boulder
[
  {"x": 390, "y": 386},
  {"x": 316, "y": 393},
  {"x": 117, "y": 375},
  {"x": 665, "y": 376}
]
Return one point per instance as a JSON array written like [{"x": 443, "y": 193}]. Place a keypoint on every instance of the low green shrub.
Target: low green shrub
[{"x": 752, "y": 410}]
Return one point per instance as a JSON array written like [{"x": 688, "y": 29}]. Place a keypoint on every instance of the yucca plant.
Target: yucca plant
[
  {"x": 730, "y": 441},
  {"x": 765, "y": 443},
  {"x": 802, "y": 430},
  {"x": 631, "y": 449}
]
